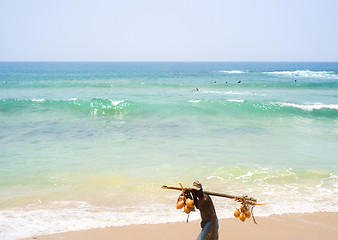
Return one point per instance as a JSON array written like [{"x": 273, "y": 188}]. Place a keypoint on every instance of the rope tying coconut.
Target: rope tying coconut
[
  {"x": 185, "y": 201},
  {"x": 246, "y": 210}
]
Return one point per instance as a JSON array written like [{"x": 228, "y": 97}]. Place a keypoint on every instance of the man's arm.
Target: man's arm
[
  {"x": 212, "y": 234},
  {"x": 195, "y": 198},
  {"x": 211, "y": 207}
]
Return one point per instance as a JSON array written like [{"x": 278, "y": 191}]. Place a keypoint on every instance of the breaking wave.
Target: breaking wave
[
  {"x": 106, "y": 106},
  {"x": 233, "y": 72},
  {"x": 305, "y": 74},
  {"x": 95, "y": 105},
  {"x": 309, "y": 107}
]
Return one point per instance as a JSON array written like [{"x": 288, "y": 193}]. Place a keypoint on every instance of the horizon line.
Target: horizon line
[{"x": 99, "y": 61}]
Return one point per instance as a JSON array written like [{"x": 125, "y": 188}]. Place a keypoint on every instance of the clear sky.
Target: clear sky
[{"x": 169, "y": 30}]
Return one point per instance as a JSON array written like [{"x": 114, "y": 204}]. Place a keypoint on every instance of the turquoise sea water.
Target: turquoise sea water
[{"x": 86, "y": 145}]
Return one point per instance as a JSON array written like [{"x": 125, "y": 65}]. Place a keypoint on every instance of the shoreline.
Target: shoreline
[{"x": 321, "y": 225}]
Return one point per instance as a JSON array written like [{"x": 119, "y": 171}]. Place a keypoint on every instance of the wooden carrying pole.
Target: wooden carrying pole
[{"x": 214, "y": 194}]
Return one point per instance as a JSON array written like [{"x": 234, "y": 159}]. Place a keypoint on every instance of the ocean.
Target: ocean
[{"x": 86, "y": 145}]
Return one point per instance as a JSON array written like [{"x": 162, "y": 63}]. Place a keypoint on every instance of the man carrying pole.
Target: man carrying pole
[{"x": 209, "y": 223}]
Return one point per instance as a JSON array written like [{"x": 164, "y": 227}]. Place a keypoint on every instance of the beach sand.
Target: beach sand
[{"x": 288, "y": 226}]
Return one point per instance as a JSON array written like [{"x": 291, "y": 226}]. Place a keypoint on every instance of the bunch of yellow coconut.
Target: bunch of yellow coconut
[
  {"x": 242, "y": 213},
  {"x": 185, "y": 201}
]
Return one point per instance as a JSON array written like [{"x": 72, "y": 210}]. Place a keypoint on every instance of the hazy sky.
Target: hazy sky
[{"x": 169, "y": 30}]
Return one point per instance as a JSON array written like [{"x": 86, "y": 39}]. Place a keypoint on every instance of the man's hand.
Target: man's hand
[{"x": 211, "y": 236}]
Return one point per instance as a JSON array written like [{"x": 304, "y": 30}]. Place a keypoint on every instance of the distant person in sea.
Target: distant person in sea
[
  {"x": 239, "y": 81},
  {"x": 209, "y": 223},
  {"x": 196, "y": 89}
]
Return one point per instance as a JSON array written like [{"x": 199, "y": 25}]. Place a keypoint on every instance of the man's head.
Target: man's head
[
  {"x": 197, "y": 188},
  {"x": 196, "y": 185}
]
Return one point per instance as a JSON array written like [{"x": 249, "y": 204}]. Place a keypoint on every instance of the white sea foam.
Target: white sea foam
[
  {"x": 233, "y": 72},
  {"x": 73, "y": 99},
  {"x": 104, "y": 102},
  {"x": 229, "y": 93},
  {"x": 115, "y": 103},
  {"x": 284, "y": 192},
  {"x": 38, "y": 100},
  {"x": 235, "y": 100},
  {"x": 217, "y": 177},
  {"x": 194, "y": 101},
  {"x": 305, "y": 73},
  {"x": 308, "y": 107},
  {"x": 234, "y": 93},
  {"x": 21, "y": 223}
]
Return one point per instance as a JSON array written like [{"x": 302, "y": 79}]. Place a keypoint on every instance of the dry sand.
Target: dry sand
[{"x": 288, "y": 226}]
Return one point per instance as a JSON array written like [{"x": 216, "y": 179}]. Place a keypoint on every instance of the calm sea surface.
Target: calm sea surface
[{"x": 86, "y": 145}]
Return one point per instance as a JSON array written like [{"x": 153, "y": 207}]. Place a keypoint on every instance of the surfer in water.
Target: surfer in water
[{"x": 209, "y": 223}]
